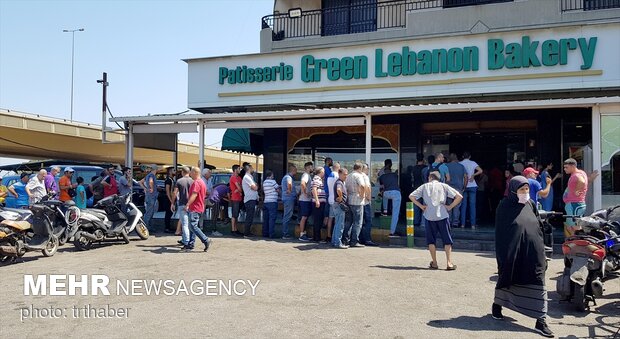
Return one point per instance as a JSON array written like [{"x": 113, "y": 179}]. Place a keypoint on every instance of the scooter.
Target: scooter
[
  {"x": 113, "y": 217},
  {"x": 32, "y": 232},
  {"x": 585, "y": 264}
]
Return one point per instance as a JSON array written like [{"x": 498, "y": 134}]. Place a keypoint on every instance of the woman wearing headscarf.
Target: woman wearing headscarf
[{"x": 520, "y": 253}]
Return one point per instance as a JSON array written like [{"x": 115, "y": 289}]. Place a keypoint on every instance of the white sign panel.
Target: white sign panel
[{"x": 536, "y": 60}]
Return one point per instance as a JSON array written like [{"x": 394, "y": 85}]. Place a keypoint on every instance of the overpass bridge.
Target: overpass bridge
[{"x": 33, "y": 136}]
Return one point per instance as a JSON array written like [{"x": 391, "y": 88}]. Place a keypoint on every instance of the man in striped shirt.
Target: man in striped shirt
[
  {"x": 270, "y": 204},
  {"x": 319, "y": 200}
]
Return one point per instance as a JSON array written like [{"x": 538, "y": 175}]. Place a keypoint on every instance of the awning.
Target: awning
[{"x": 241, "y": 140}]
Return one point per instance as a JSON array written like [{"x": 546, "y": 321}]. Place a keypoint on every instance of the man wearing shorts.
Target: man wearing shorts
[
  {"x": 305, "y": 200},
  {"x": 236, "y": 197},
  {"x": 575, "y": 195},
  {"x": 435, "y": 194}
]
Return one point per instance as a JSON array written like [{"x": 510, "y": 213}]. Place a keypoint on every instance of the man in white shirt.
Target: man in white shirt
[
  {"x": 250, "y": 199},
  {"x": 435, "y": 195},
  {"x": 469, "y": 194},
  {"x": 305, "y": 200},
  {"x": 356, "y": 191}
]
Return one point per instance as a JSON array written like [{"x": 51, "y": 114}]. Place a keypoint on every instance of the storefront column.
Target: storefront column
[
  {"x": 129, "y": 146},
  {"x": 368, "y": 140},
  {"x": 597, "y": 191},
  {"x": 175, "y": 155},
  {"x": 201, "y": 144}
]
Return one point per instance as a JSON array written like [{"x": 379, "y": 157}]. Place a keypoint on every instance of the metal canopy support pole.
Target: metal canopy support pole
[
  {"x": 201, "y": 144},
  {"x": 175, "y": 155},
  {"x": 368, "y": 140},
  {"x": 129, "y": 146},
  {"x": 596, "y": 156}
]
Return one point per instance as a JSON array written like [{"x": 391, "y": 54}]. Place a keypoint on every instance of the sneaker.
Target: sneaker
[
  {"x": 180, "y": 242},
  {"x": 496, "y": 312},
  {"x": 342, "y": 247},
  {"x": 207, "y": 244},
  {"x": 542, "y": 328},
  {"x": 186, "y": 248},
  {"x": 357, "y": 245},
  {"x": 237, "y": 234},
  {"x": 286, "y": 237},
  {"x": 473, "y": 227},
  {"x": 371, "y": 243},
  {"x": 216, "y": 234},
  {"x": 323, "y": 241},
  {"x": 304, "y": 237}
]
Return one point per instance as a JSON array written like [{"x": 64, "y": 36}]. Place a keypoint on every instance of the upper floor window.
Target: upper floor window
[{"x": 348, "y": 16}]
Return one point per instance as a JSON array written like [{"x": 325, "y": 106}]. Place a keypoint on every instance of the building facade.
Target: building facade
[{"x": 524, "y": 81}]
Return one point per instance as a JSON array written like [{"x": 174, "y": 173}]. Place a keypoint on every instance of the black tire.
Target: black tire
[
  {"x": 579, "y": 298},
  {"x": 141, "y": 230},
  {"x": 52, "y": 246},
  {"x": 63, "y": 238},
  {"x": 82, "y": 243},
  {"x": 7, "y": 260},
  {"x": 125, "y": 236}
]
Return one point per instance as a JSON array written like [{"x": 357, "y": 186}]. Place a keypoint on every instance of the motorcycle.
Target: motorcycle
[
  {"x": 113, "y": 217},
  {"x": 588, "y": 257},
  {"x": 24, "y": 231}
]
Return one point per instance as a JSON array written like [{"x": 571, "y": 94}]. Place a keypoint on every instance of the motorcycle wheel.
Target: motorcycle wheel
[
  {"x": 63, "y": 238},
  {"x": 125, "y": 236},
  {"x": 52, "y": 247},
  {"x": 7, "y": 260},
  {"x": 579, "y": 298},
  {"x": 142, "y": 231},
  {"x": 82, "y": 243}
]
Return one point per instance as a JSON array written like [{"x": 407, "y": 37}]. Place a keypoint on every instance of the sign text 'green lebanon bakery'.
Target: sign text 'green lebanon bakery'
[{"x": 407, "y": 62}]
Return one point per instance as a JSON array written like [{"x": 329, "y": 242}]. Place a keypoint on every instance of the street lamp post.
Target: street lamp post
[{"x": 72, "y": 31}]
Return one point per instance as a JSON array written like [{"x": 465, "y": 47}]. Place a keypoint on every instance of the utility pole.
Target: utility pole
[{"x": 72, "y": 31}]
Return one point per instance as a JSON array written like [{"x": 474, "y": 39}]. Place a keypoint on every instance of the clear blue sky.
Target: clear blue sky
[{"x": 139, "y": 44}]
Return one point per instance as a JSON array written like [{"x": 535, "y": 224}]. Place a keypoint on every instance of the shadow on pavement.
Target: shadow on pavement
[
  {"x": 161, "y": 249},
  {"x": 402, "y": 268},
  {"x": 484, "y": 323}
]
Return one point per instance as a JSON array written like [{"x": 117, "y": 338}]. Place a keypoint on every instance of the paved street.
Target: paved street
[{"x": 305, "y": 290}]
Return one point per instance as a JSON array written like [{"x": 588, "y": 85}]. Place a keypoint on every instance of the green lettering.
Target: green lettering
[
  {"x": 550, "y": 52},
  {"x": 496, "y": 57},
  {"x": 379, "y": 73},
  {"x": 394, "y": 62},
  {"x": 587, "y": 51},
  {"x": 346, "y": 68},
  {"x": 409, "y": 62},
  {"x": 360, "y": 67},
  {"x": 333, "y": 69},
  {"x": 513, "y": 55},
  {"x": 425, "y": 62},
  {"x": 471, "y": 58},
  {"x": 307, "y": 74},
  {"x": 223, "y": 74},
  {"x": 440, "y": 60},
  {"x": 455, "y": 60},
  {"x": 565, "y": 46},
  {"x": 529, "y": 52}
]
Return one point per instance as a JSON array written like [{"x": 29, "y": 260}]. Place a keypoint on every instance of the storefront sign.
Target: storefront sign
[
  {"x": 566, "y": 58},
  {"x": 523, "y": 54}
]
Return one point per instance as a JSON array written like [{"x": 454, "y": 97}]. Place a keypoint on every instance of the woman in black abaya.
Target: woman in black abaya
[{"x": 520, "y": 253}]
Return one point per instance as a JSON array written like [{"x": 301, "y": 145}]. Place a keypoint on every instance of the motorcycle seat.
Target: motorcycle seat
[
  {"x": 20, "y": 225},
  {"x": 97, "y": 212},
  {"x": 20, "y": 211}
]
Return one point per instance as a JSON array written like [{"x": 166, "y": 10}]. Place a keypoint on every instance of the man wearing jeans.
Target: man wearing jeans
[
  {"x": 391, "y": 191},
  {"x": 181, "y": 190},
  {"x": 151, "y": 205},
  {"x": 195, "y": 207},
  {"x": 365, "y": 236},
  {"x": 356, "y": 189},
  {"x": 457, "y": 181},
  {"x": 469, "y": 194},
  {"x": 250, "y": 199},
  {"x": 289, "y": 193},
  {"x": 340, "y": 198}
]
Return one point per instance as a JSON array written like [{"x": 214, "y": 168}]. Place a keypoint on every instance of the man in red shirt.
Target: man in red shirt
[
  {"x": 195, "y": 207},
  {"x": 236, "y": 197}
]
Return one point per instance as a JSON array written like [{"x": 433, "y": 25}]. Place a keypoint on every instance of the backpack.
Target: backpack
[
  {"x": 89, "y": 193},
  {"x": 432, "y": 168}
]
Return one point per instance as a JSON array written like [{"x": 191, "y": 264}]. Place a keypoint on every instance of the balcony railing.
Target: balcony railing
[
  {"x": 588, "y": 5},
  {"x": 357, "y": 18}
]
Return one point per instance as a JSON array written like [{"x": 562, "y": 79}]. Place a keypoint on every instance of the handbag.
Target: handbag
[{"x": 72, "y": 193}]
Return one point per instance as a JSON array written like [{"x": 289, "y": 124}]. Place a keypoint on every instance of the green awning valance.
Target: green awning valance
[{"x": 241, "y": 140}]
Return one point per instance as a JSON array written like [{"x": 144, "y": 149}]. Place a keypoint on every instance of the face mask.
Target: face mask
[{"x": 523, "y": 197}]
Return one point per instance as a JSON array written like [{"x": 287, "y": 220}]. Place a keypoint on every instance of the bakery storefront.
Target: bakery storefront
[{"x": 531, "y": 96}]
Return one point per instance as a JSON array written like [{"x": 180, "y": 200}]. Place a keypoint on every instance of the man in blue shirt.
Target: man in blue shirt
[
  {"x": 439, "y": 165},
  {"x": 18, "y": 190},
  {"x": 536, "y": 190}
]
